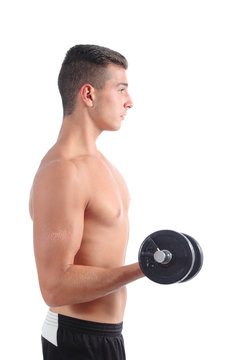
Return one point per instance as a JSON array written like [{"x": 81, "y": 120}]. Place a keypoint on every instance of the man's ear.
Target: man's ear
[{"x": 87, "y": 94}]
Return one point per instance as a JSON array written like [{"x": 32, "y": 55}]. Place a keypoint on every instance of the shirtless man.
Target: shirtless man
[{"x": 79, "y": 207}]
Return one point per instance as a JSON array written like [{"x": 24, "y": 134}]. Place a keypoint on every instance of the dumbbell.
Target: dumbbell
[{"x": 168, "y": 257}]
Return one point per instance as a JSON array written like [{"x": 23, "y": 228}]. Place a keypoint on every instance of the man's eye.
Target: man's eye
[{"x": 121, "y": 90}]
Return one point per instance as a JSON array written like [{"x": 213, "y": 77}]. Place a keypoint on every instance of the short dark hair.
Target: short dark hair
[{"x": 85, "y": 64}]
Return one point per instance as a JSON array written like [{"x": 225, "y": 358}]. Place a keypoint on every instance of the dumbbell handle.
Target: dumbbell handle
[{"x": 162, "y": 256}]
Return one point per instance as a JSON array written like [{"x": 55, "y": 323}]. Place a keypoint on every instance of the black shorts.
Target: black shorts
[{"x": 66, "y": 338}]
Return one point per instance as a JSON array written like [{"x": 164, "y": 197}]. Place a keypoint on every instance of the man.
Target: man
[{"x": 79, "y": 207}]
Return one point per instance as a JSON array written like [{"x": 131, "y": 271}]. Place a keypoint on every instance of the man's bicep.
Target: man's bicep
[{"x": 59, "y": 202}]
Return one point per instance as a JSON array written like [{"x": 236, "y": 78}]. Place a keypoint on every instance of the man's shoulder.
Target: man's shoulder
[
  {"x": 56, "y": 168},
  {"x": 54, "y": 164},
  {"x": 60, "y": 176},
  {"x": 81, "y": 170}
]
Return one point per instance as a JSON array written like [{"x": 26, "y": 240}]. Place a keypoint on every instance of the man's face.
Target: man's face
[{"x": 112, "y": 102}]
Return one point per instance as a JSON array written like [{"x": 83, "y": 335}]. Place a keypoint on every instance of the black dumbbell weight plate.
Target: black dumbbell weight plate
[
  {"x": 180, "y": 265},
  {"x": 198, "y": 258}
]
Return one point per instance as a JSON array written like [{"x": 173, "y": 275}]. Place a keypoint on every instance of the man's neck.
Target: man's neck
[{"x": 77, "y": 137}]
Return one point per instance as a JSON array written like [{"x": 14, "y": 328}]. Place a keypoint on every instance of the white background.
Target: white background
[{"x": 178, "y": 150}]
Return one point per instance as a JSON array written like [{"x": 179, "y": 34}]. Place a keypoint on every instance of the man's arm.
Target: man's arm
[{"x": 60, "y": 198}]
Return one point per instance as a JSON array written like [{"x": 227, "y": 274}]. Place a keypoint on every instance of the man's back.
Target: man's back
[{"x": 97, "y": 221}]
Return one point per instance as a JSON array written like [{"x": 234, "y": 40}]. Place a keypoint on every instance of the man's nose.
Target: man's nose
[{"x": 129, "y": 103}]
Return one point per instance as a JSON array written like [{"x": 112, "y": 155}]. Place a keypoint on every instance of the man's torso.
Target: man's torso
[{"x": 105, "y": 232}]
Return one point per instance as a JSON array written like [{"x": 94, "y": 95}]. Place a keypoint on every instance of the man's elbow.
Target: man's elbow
[{"x": 52, "y": 296}]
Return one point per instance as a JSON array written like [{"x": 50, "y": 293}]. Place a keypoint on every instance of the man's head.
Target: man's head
[{"x": 85, "y": 64}]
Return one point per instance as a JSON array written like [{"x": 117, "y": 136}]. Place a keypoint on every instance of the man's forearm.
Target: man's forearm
[{"x": 79, "y": 284}]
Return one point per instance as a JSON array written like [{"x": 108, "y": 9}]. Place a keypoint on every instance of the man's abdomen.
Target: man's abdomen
[{"x": 108, "y": 309}]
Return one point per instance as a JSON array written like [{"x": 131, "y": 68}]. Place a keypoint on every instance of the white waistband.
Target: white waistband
[{"x": 50, "y": 327}]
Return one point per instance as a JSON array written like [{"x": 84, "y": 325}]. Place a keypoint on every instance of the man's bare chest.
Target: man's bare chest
[{"x": 109, "y": 196}]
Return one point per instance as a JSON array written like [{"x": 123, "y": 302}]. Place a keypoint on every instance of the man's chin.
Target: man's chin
[{"x": 116, "y": 127}]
